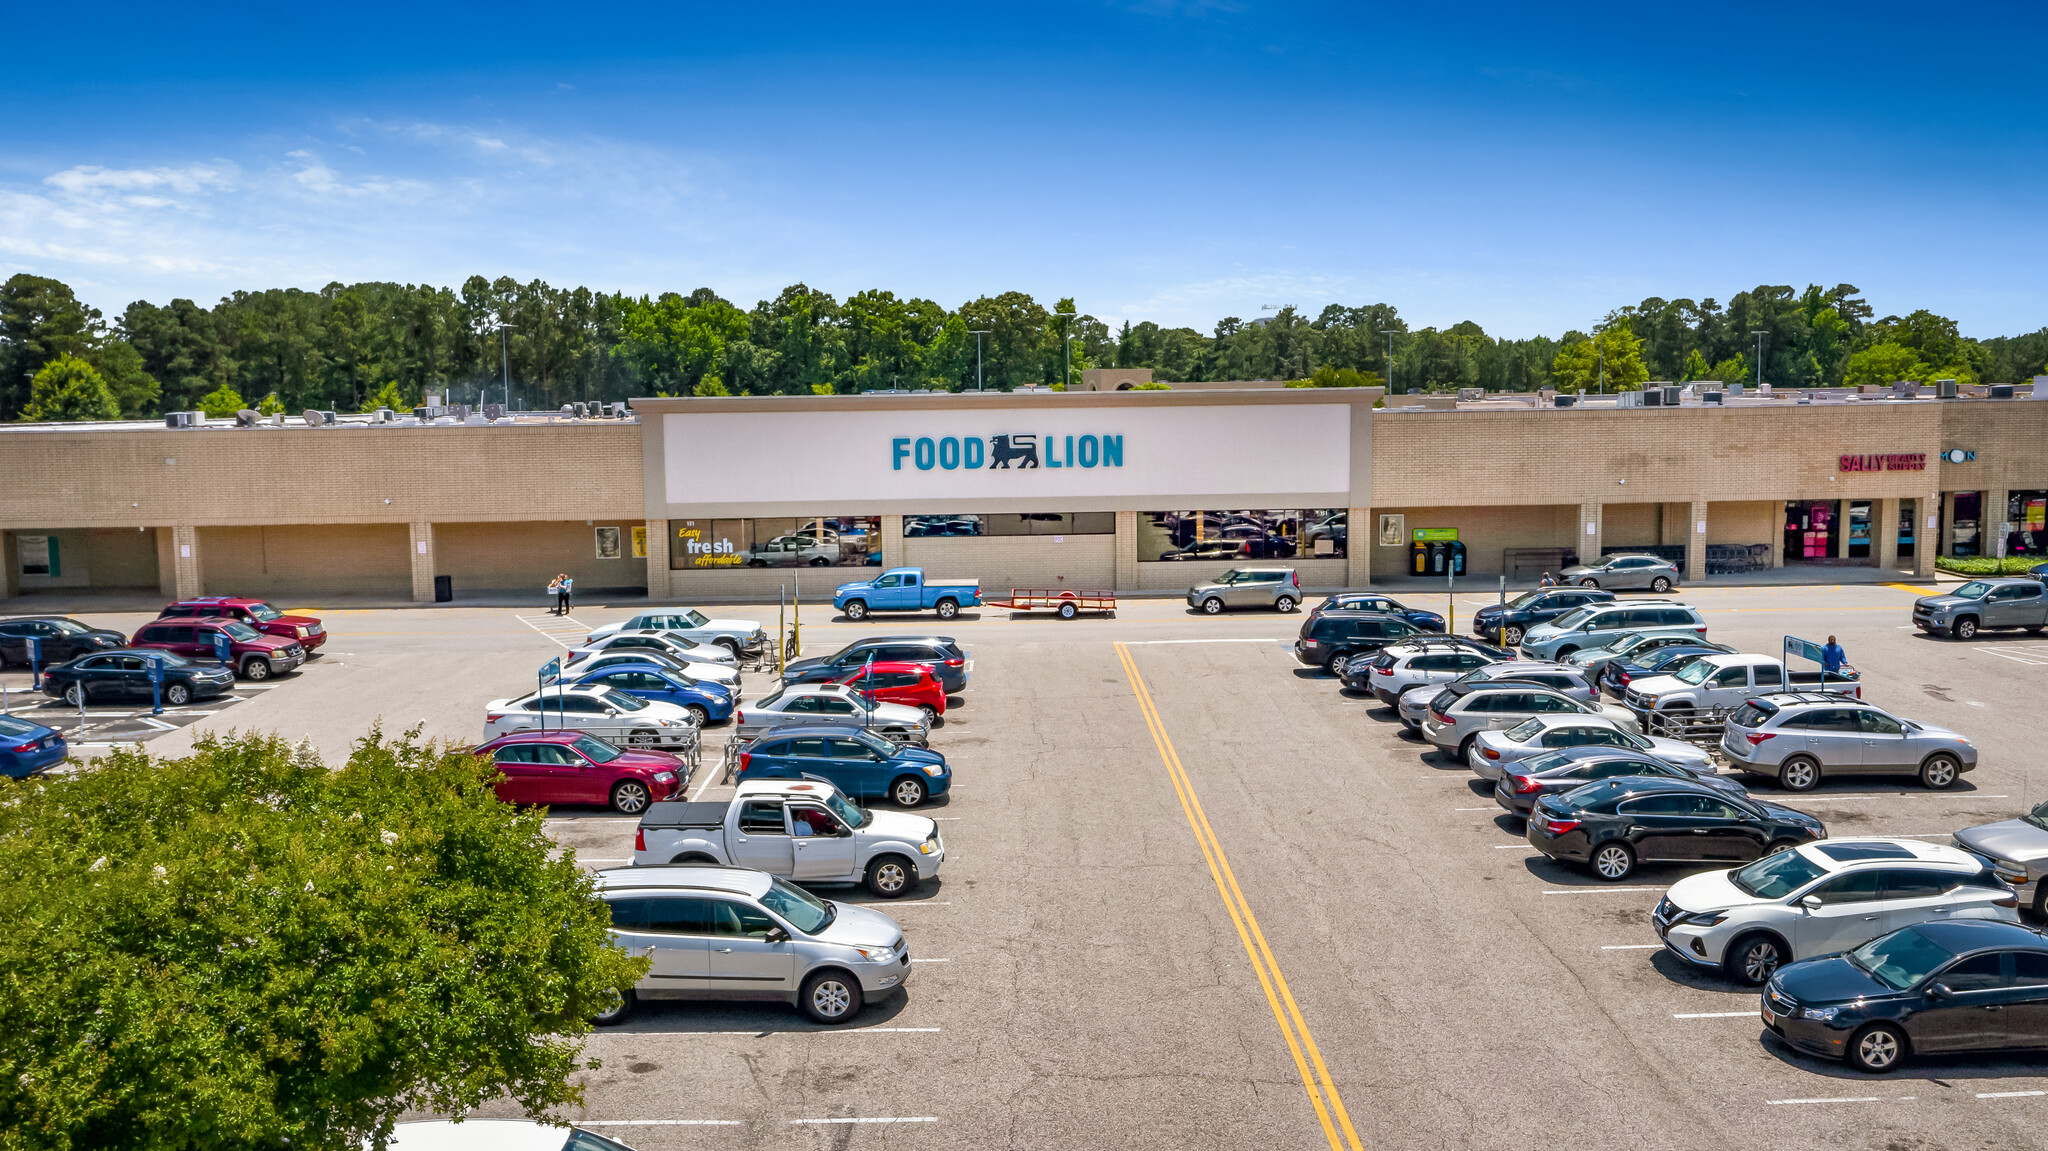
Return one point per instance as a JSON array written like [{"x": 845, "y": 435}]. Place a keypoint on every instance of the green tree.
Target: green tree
[
  {"x": 1695, "y": 367},
  {"x": 1331, "y": 377},
  {"x": 389, "y": 396},
  {"x": 244, "y": 949},
  {"x": 40, "y": 319},
  {"x": 1612, "y": 359},
  {"x": 1733, "y": 370},
  {"x": 1882, "y": 364},
  {"x": 270, "y": 405},
  {"x": 68, "y": 388},
  {"x": 222, "y": 401}
]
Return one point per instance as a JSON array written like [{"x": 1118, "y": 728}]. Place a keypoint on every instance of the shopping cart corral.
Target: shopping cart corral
[{"x": 1700, "y": 725}]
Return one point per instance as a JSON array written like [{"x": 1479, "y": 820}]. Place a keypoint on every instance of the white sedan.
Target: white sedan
[
  {"x": 735, "y": 635},
  {"x": 667, "y": 643},
  {"x": 603, "y": 711},
  {"x": 1496, "y": 750},
  {"x": 831, "y": 703},
  {"x": 585, "y": 660}
]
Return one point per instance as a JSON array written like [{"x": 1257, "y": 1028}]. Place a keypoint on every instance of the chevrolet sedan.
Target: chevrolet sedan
[{"x": 1498, "y": 751}]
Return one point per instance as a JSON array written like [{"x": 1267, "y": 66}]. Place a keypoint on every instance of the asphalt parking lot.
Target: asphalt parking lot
[{"x": 1197, "y": 897}]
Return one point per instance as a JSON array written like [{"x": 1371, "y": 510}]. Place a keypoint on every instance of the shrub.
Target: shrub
[{"x": 1988, "y": 565}]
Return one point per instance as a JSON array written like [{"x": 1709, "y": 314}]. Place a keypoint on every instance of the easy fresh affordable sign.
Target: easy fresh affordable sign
[{"x": 951, "y": 453}]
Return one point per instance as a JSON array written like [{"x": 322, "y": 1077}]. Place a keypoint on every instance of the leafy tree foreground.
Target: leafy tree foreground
[{"x": 243, "y": 948}]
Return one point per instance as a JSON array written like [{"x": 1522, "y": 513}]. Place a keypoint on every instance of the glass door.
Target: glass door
[
  {"x": 1859, "y": 530},
  {"x": 1909, "y": 510}
]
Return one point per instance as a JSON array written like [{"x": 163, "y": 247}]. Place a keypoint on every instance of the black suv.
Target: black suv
[
  {"x": 1529, "y": 609},
  {"x": 1334, "y": 635},
  {"x": 63, "y": 639},
  {"x": 941, "y": 653}
]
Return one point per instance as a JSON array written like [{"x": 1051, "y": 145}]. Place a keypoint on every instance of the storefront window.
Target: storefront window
[
  {"x": 1011, "y": 524},
  {"x": 798, "y": 541},
  {"x": 1226, "y": 535},
  {"x": 1966, "y": 534},
  {"x": 1909, "y": 510},
  {"x": 1859, "y": 530},
  {"x": 2026, "y": 512}
]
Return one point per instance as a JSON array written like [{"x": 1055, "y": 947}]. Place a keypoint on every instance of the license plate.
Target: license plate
[{"x": 1768, "y": 1017}]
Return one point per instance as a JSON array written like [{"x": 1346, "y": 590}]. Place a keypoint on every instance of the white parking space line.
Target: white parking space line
[
  {"x": 660, "y": 1123},
  {"x": 1837, "y": 1099},
  {"x": 931, "y": 961},
  {"x": 1631, "y": 947},
  {"x": 1496, "y": 807},
  {"x": 835, "y": 1031},
  {"x": 558, "y": 628},
  {"x": 873, "y": 1119},
  {"x": 1512, "y": 847},
  {"x": 2009, "y": 1094},
  {"x": 1881, "y": 795},
  {"x": 1160, "y": 642},
  {"x": 1598, "y": 890},
  {"x": 1715, "y": 1015}
]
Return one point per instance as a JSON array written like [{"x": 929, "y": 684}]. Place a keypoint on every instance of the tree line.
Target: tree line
[{"x": 352, "y": 347}]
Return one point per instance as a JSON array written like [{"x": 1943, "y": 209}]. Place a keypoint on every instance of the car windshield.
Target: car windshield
[
  {"x": 849, "y": 814},
  {"x": 1975, "y": 589},
  {"x": 11, "y": 726},
  {"x": 770, "y": 699},
  {"x": 1228, "y": 577},
  {"x": 2039, "y": 816},
  {"x": 1572, "y": 620},
  {"x": 236, "y": 629},
  {"x": 1524, "y": 598},
  {"x": 595, "y": 749},
  {"x": 1901, "y": 959},
  {"x": 875, "y": 743},
  {"x": 1521, "y": 732},
  {"x": 1777, "y": 875},
  {"x": 263, "y": 612},
  {"x": 69, "y": 626},
  {"x": 806, "y": 912},
  {"x": 1695, "y": 672},
  {"x": 1627, "y": 643},
  {"x": 696, "y": 618}
]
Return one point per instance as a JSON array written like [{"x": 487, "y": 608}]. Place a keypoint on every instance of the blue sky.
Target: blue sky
[{"x": 1522, "y": 165}]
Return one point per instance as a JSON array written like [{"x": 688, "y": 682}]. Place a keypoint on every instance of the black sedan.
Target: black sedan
[
  {"x": 1954, "y": 986},
  {"x": 62, "y": 639},
  {"x": 1505, "y": 623},
  {"x": 1372, "y": 601},
  {"x": 1613, "y": 825},
  {"x": 941, "y": 653},
  {"x": 1567, "y": 768},
  {"x": 1667, "y": 660},
  {"x": 125, "y": 674}
]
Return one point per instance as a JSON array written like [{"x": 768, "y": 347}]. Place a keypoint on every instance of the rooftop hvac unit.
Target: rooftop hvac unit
[
  {"x": 1653, "y": 397},
  {"x": 1564, "y": 401},
  {"x": 2041, "y": 387},
  {"x": 1672, "y": 394},
  {"x": 1711, "y": 397},
  {"x": 1468, "y": 395},
  {"x": 494, "y": 411},
  {"x": 2001, "y": 391},
  {"x": 177, "y": 419},
  {"x": 1946, "y": 389},
  {"x": 1629, "y": 399}
]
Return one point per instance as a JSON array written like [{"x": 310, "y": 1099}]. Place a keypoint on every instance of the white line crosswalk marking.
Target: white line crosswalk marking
[{"x": 566, "y": 630}]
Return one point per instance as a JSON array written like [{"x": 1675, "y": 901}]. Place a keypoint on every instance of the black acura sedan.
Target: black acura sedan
[
  {"x": 1934, "y": 988},
  {"x": 125, "y": 674},
  {"x": 1614, "y": 824}
]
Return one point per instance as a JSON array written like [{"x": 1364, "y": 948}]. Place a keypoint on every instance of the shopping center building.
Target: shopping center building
[{"x": 1137, "y": 491}]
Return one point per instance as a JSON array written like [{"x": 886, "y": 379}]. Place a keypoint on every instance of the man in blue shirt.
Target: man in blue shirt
[{"x": 1833, "y": 658}]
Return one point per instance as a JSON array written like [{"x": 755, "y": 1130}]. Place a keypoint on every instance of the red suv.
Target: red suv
[
  {"x": 255, "y": 613},
  {"x": 577, "y": 767},
  {"x": 254, "y": 654},
  {"x": 910, "y": 684}
]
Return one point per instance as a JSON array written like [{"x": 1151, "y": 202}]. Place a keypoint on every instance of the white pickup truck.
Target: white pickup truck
[
  {"x": 800, "y": 829},
  {"x": 1723, "y": 682}
]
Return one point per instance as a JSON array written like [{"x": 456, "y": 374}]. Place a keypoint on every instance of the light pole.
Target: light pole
[
  {"x": 978, "y": 333},
  {"x": 1759, "y": 334},
  {"x": 1600, "y": 365},
  {"x": 505, "y": 361},
  {"x": 1389, "y": 334},
  {"x": 1066, "y": 349}
]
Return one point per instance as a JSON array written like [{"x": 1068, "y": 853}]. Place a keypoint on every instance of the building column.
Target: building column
[
  {"x": 185, "y": 582},
  {"x": 1923, "y": 545},
  {"x": 1588, "y": 540},
  {"x": 1358, "y": 549},
  {"x": 657, "y": 559},
  {"x": 10, "y": 559},
  {"x": 1884, "y": 521},
  {"x": 892, "y": 541},
  {"x": 1778, "y": 534},
  {"x": 1842, "y": 529},
  {"x": 1990, "y": 516},
  {"x": 1125, "y": 565},
  {"x": 1696, "y": 542},
  {"x": 421, "y": 551},
  {"x": 1947, "y": 526}
]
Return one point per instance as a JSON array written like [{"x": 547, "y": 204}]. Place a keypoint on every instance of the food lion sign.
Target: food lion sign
[{"x": 951, "y": 453}]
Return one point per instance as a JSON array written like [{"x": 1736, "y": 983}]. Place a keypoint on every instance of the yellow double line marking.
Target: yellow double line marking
[{"x": 1322, "y": 1093}]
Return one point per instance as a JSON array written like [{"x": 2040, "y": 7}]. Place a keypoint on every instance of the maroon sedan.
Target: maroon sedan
[{"x": 574, "y": 767}]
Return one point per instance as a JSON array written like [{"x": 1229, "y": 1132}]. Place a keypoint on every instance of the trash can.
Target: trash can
[
  {"x": 1437, "y": 557},
  {"x": 1418, "y": 557},
  {"x": 444, "y": 588},
  {"x": 1456, "y": 550}
]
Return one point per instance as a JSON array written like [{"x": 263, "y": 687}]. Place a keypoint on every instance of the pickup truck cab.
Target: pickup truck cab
[
  {"x": 2020, "y": 601},
  {"x": 1725, "y": 681},
  {"x": 906, "y": 589},
  {"x": 254, "y": 612},
  {"x": 805, "y": 830}
]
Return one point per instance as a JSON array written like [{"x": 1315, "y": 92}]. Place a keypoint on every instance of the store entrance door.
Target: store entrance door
[{"x": 1811, "y": 528}]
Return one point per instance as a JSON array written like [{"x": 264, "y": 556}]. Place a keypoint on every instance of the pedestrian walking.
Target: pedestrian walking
[
  {"x": 1548, "y": 581},
  {"x": 568, "y": 589},
  {"x": 1832, "y": 658}
]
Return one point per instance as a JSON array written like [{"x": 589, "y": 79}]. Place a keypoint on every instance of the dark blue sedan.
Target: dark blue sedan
[
  {"x": 1372, "y": 601},
  {"x": 859, "y": 763},
  {"x": 28, "y": 748},
  {"x": 709, "y": 702}
]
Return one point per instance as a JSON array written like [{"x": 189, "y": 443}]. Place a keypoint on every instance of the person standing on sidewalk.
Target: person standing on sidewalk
[
  {"x": 568, "y": 588},
  {"x": 555, "y": 594}
]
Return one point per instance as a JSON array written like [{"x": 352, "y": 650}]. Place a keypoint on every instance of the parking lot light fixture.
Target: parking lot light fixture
[{"x": 978, "y": 333}]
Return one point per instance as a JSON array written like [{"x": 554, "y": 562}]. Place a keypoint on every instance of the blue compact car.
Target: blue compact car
[
  {"x": 859, "y": 763},
  {"x": 27, "y": 748},
  {"x": 709, "y": 702}
]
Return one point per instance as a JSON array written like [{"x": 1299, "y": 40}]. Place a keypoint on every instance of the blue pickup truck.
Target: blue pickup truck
[{"x": 906, "y": 589}]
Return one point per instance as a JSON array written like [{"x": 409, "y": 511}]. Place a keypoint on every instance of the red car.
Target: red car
[
  {"x": 577, "y": 767},
  {"x": 255, "y": 613},
  {"x": 910, "y": 684},
  {"x": 255, "y": 655}
]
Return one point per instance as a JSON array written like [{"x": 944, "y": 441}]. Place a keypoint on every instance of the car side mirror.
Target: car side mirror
[
  {"x": 1940, "y": 991},
  {"x": 1811, "y": 903},
  {"x": 611, "y": 711},
  {"x": 777, "y": 935}
]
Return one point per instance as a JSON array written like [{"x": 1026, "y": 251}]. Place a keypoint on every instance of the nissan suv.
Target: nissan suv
[{"x": 1804, "y": 737}]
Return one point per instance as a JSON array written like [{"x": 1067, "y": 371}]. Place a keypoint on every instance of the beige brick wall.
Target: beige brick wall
[
  {"x": 523, "y": 557},
  {"x": 1745, "y": 521},
  {"x": 1487, "y": 532},
  {"x": 96, "y": 558},
  {"x": 304, "y": 559},
  {"x": 1632, "y": 525}
]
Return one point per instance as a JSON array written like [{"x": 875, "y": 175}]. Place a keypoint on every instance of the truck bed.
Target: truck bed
[
  {"x": 676, "y": 813},
  {"x": 952, "y": 583}
]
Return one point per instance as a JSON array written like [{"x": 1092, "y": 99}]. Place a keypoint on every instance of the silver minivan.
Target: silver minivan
[
  {"x": 1597, "y": 625},
  {"x": 733, "y": 933},
  {"x": 1276, "y": 588}
]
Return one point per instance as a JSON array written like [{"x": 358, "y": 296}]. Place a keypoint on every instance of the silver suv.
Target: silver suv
[
  {"x": 1597, "y": 625},
  {"x": 1276, "y": 588},
  {"x": 1803, "y": 737},
  {"x": 1413, "y": 703},
  {"x": 732, "y": 933},
  {"x": 1461, "y": 711}
]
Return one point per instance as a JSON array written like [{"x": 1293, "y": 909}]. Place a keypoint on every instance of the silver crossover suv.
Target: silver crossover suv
[
  {"x": 1619, "y": 573},
  {"x": 1803, "y": 737},
  {"x": 1276, "y": 588},
  {"x": 1460, "y": 711},
  {"x": 731, "y": 933}
]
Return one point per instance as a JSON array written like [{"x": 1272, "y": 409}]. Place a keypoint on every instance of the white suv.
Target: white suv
[
  {"x": 1400, "y": 667},
  {"x": 1821, "y": 898},
  {"x": 1599, "y": 624}
]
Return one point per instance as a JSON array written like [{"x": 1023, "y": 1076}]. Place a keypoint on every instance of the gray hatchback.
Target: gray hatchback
[{"x": 1276, "y": 588}]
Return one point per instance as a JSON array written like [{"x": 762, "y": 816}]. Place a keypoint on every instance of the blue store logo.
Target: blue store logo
[{"x": 1008, "y": 452}]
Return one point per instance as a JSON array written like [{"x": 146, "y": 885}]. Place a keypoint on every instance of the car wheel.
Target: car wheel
[
  {"x": 177, "y": 694},
  {"x": 1213, "y": 606},
  {"x": 1069, "y": 611},
  {"x": 1753, "y": 959},
  {"x": 1660, "y": 584},
  {"x": 731, "y": 646},
  {"x": 1589, "y": 581},
  {"x": 698, "y": 713},
  {"x": 629, "y": 797},
  {"x": 947, "y": 609},
  {"x": 908, "y": 791},
  {"x": 1284, "y": 604},
  {"x": 617, "y": 1012},
  {"x": 1878, "y": 1048},
  {"x": 1614, "y": 861},
  {"x": 931, "y": 714},
  {"x": 757, "y": 563},
  {"x": 821, "y": 562},
  {"x": 644, "y": 737},
  {"x": 1565, "y": 653},
  {"x": 75, "y": 695},
  {"x": 831, "y": 997},
  {"x": 1798, "y": 774},
  {"x": 1465, "y": 750},
  {"x": 891, "y": 876},
  {"x": 257, "y": 670},
  {"x": 856, "y": 609},
  {"x": 1965, "y": 628},
  {"x": 1511, "y": 636},
  {"x": 1778, "y": 845},
  {"x": 1939, "y": 771}
]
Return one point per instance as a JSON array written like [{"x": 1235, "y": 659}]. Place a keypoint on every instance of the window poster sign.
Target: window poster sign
[
  {"x": 1393, "y": 530},
  {"x": 38, "y": 555},
  {"x": 608, "y": 544},
  {"x": 640, "y": 542}
]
